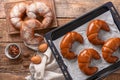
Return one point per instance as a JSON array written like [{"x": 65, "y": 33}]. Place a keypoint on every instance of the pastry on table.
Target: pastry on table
[
  {"x": 31, "y": 12},
  {"x": 36, "y": 59},
  {"x": 27, "y": 32},
  {"x": 40, "y": 9},
  {"x": 17, "y": 14}
]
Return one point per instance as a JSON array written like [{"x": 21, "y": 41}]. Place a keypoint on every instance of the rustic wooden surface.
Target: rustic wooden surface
[
  {"x": 8, "y": 6},
  {"x": 66, "y": 11}
]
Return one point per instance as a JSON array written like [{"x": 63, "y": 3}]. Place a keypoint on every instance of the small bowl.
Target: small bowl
[{"x": 7, "y": 51}]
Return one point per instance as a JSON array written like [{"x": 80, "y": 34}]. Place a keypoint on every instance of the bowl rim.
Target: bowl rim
[{"x": 8, "y": 55}]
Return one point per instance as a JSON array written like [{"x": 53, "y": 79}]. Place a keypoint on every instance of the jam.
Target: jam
[{"x": 13, "y": 50}]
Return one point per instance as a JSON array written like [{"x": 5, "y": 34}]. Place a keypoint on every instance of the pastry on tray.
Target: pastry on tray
[
  {"x": 93, "y": 30},
  {"x": 84, "y": 59},
  {"x": 66, "y": 44},
  {"x": 110, "y": 46}
]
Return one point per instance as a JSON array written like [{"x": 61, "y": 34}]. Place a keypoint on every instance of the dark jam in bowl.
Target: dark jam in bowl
[{"x": 13, "y": 50}]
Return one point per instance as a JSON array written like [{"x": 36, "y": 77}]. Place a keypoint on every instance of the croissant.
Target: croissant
[
  {"x": 66, "y": 44},
  {"x": 84, "y": 59},
  {"x": 110, "y": 46},
  {"x": 40, "y": 9},
  {"x": 27, "y": 32},
  {"x": 93, "y": 29},
  {"x": 17, "y": 14}
]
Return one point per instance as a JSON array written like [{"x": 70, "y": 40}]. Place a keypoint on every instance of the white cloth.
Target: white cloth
[{"x": 48, "y": 69}]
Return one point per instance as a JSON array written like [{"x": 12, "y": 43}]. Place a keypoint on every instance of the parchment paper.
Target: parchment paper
[{"x": 72, "y": 65}]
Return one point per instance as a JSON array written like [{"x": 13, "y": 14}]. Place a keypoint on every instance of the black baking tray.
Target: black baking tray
[{"x": 58, "y": 32}]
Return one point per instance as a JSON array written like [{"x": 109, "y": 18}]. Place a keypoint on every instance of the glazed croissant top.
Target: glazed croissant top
[
  {"x": 66, "y": 44},
  {"x": 93, "y": 30}
]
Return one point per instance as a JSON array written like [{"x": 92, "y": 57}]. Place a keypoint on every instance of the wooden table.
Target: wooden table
[{"x": 66, "y": 11}]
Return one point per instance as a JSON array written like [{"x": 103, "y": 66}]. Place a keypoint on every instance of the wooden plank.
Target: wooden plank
[
  {"x": 64, "y": 15},
  {"x": 8, "y": 76},
  {"x": 16, "y": 38},
  {"x": 118, "y": 71},
  {"x": 15, "y": 66},
  {"x": 113, "y": 76},
  {"x": 8, "y": 7},
  {"x": 66, "y": 8},
  {"x": 88, "y": 1},
  {"x": 3, "y": 29},
  {"x": 74, "y": 10},
  {"x": 2, "y": 9},
  {"x": 69, "y": 4},
  {"x": 2, "y": 13},
  {"x": 63, "y": 21},
  {"x": 5, "y": 36},
  {"x": 117, "y": 6},
  {"x": 4, "y": 1}
]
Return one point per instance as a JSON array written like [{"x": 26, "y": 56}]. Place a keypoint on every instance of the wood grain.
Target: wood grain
[
  {"x": 113, "y": 76},
  {"x": 15, "y": 66},
  {"x": 66, "y": 11},
  {"x": 70, "y": 8},
  {"x": 8, "y": 76},
  {"x": 8, "y": 7},
  {"x": 2, "y": 8},
  {"x": 6, "y": 38}
]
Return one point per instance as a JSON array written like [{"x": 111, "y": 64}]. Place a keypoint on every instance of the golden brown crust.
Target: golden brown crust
[
  {"x": 93, "y": 30},
  {"x": 84, "y": 59},
  {"x": 36, "y": 59},
  {"x": 66, "y": 44},
  {"x": 43, "y": 47},
  {"x": 110, "y": 46}
]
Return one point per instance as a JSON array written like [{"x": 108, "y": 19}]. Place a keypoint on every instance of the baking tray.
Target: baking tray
[{"x": 58, "y": 32}]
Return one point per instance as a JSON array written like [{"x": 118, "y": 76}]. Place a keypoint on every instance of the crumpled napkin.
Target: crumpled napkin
[{"x": 48, "y": 69}]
